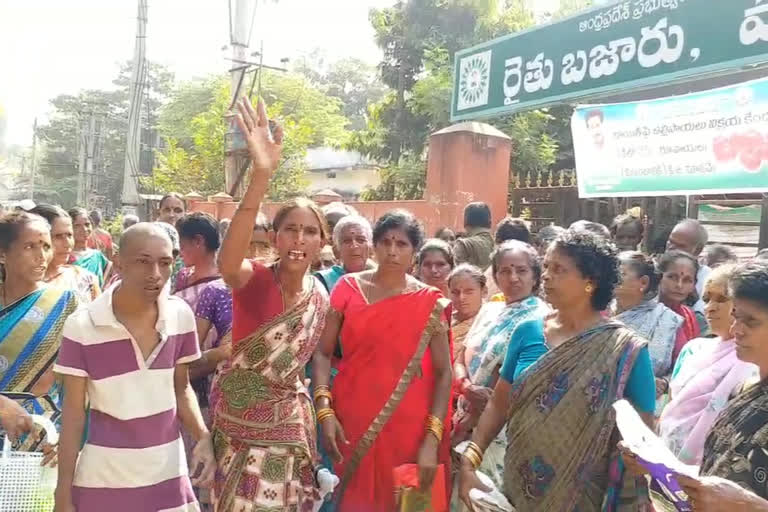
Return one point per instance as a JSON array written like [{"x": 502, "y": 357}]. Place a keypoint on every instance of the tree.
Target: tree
[
  {"x": 402, "y": 181},
  {"x": 59, "y": 137},
  {"x": 194, "y": 126},
  {"x": 356, "y": 85},
  {"x": 419, "y": 40}
]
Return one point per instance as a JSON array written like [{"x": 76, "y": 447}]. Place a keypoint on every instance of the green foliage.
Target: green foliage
[
  {"x": 401, "y": 181},
  {"x": 350, "y": 80},
  {"x": 419, "y": 39},
  {"x": 114, "y": 227},
  {"x": 533, "y": 147},
  {"x": 194, "y": 127},
  {"x": 59, "y": 137}
]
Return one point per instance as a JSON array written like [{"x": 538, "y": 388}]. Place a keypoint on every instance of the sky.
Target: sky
[{"x": 52, "y": 47}]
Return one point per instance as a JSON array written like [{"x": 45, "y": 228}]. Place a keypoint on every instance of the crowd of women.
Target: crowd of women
[{"x": 457, "y": 372}]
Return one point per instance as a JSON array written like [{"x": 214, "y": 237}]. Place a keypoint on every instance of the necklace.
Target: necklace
[{"x": 283, "y": 297}]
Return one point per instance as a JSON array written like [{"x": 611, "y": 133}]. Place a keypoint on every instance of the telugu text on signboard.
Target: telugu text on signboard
[{"x": 629, "y": 44}]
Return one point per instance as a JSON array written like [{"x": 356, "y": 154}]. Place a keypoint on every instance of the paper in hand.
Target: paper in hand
[{"x": 653, "y": 455}]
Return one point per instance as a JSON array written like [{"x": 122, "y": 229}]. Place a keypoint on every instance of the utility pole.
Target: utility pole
[
  {"x": 81, "y": 161},
  {"x": 242, "y": 14},
  {"x": 130, "y": 195},
  {"x": 239, "y": 21},
  {"x": 90, "y": 153},
  {"x": 32, "y": 164}
]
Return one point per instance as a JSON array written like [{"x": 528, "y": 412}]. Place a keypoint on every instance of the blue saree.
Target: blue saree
[{"x": 30, "y": 336}]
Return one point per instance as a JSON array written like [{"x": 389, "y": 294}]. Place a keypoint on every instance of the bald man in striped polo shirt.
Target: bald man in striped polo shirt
[{"x": 127, "y": 355}]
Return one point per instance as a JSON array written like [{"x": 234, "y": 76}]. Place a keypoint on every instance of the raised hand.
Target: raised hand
[{"x": 265, "y": 147}]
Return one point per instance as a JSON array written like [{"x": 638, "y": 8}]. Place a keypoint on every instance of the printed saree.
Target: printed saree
[
  {"x": 706, "y": 375},
  {"x": 30, "y": 336},
  {"x": 487, "y": 344},
  {"x": 83, "y": 282},
  {"x": 737, "y": 446},
  {"x": 383, "y": 342},
  {"x": 658, "y": 324},
  {"x": 94, "y": 261},
  {"x": 264, "y": 426},
  {"x": 192, "y": 294},
  {"x": 561, "y": 453},
  {"x": 459, "y": 329}
]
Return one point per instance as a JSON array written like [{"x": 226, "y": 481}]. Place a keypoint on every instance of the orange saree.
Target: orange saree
[{"x": 380, "y": 342}]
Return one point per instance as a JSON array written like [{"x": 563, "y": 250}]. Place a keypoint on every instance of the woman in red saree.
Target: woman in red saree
[
  {"x": 390, "y": 400},
  {"x": 264, "y": 433}
]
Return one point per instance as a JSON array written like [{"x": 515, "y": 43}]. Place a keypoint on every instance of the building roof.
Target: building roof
[
  {"x": 326, "y": 192},
  {"x": 325, "y": 158}
]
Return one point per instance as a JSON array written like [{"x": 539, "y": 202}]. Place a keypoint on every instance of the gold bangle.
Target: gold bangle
[
  {"x": 323, "y": 393},
  {"x": 435, "y": 425},
  {"x": 324, "y": 413},
  {"x": 438, "y": 435},
  {"x": 434, "y": 420},
  {"x": 324, "y": 417},
  {"x": 474, "y": 454},
  {"x": 473, "y": 459},
  {"x": 471, "y": 446}
]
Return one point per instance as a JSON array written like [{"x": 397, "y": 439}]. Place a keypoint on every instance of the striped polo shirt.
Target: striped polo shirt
[{"x": 134, "y": 458}]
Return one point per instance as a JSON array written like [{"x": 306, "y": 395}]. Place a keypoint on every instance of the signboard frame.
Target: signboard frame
[{"x": 484, "y": 55}]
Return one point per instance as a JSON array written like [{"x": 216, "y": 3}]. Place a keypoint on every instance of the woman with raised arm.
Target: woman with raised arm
[
  {"x": 264, "y": 429},
  {"x": 390, "y": 401}
]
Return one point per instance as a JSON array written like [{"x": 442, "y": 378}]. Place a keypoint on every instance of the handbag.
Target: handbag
[{"x": 409, "y": 496}]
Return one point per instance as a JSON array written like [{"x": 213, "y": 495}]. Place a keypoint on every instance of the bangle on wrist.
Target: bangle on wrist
[
  {"x": 324, "y": 413},
  {"x": 473, "y": 454},
  {"x": 434, "y": 426},
  {"x": 323, "y": 392}
]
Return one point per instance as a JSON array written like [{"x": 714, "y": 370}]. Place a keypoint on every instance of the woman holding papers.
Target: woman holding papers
[
  {"x": 734, "y": 467},
  {"x": 707, "y": 374}
]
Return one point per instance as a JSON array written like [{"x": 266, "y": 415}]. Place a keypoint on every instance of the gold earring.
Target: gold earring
[{"x": 588, "y": 288}]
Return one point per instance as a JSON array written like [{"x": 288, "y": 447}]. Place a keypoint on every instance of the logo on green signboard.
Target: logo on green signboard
[{"x": 474, "y": 80}]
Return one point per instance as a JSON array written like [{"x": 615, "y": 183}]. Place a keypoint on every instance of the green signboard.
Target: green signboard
[{"x": 627, "y": 44}]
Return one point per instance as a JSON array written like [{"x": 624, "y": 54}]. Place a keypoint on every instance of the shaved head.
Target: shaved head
[
  {"x": 142, "y": 232},
  {"x": 146, "y": 260}
]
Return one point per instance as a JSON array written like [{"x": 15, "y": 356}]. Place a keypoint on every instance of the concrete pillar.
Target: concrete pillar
[{"x": 467, "y": 162}]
